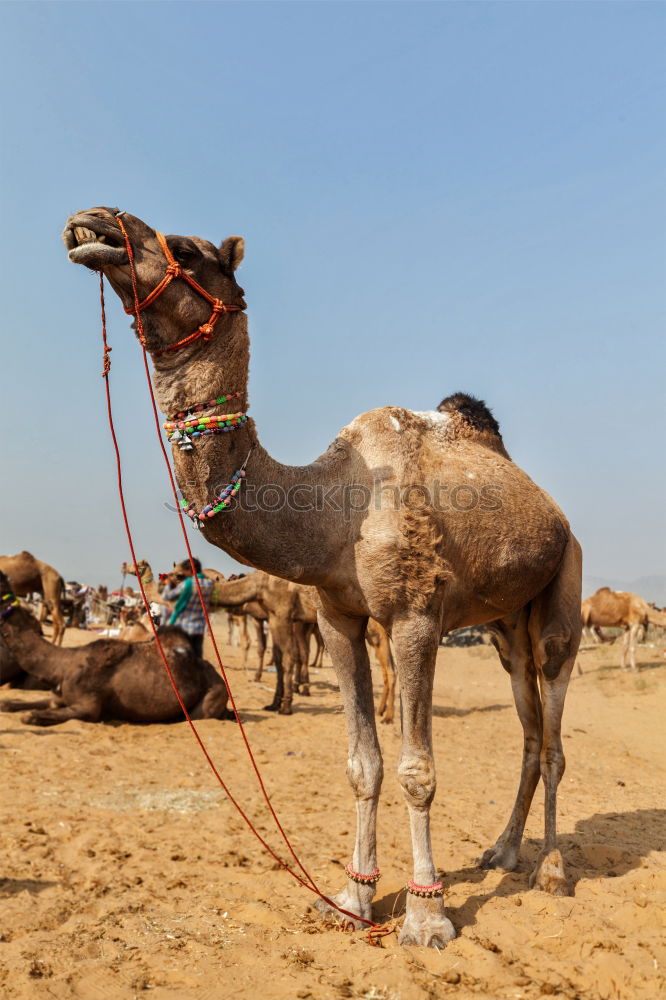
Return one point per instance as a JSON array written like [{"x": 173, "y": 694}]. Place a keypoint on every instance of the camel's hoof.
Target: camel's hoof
[
  {"x": 504, "y": 857},
  {"x": 271, "y": 708},
  {"x": 36, "y": 719},
  {"x": 387, "y": 720},
  {"x": 548, "y": 876},
  {"x": 257, "y": 678},
  {"x": 431, "y": 932},
  {"x": 304, "y": 689},
  {"x": 285, "y": 709},
  {"x": 331, "y": 915}
]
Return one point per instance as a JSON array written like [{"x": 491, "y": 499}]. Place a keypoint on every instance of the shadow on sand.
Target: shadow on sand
[
  {"x": 13, "y": 886},
  {"x": 447, "y": 711},
  {"x": 604, "y": 846}
]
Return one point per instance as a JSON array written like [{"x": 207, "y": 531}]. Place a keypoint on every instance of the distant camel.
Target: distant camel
[
  {"x": 143, "y": 572},
  {"x": 108, "y": 678},
  {"x": 28, "y": 575},
  {"x": 620, "y": 609}
]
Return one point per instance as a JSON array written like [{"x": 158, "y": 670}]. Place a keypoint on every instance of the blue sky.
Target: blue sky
[{"x": 435, "y": 196}]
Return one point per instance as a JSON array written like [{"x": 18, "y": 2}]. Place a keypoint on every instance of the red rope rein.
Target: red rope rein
[{"x": 375, "y": 931}]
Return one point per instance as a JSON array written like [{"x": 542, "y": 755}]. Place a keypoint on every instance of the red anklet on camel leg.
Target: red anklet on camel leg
[
  {"x": 370, "y": 879},
  {"x": 425, "y": 891}
]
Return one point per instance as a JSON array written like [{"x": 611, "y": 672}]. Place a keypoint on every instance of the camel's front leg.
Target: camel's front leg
[
  {"x": 416, "y": 640},
  {"x": 284, "y": 657},
  {"x": 261, "y": 649},
  {"x": 344, "y": 638},
  {"x": 629, "y": 646},
  {"x": 17, "y": 705},
  {"x": 302, "y": 647},
  {"x": 88, "y": 709}
]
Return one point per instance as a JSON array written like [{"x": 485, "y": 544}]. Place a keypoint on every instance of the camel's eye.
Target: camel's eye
[{"x": 184, "y": 252}]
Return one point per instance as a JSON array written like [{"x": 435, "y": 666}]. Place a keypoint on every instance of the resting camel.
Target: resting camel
[
  {"x": 108, "y": 678},
  {"x": 418, "y": 520},
  {"x": 620, "y": 609},
  {"x": 32, "y": 576}
]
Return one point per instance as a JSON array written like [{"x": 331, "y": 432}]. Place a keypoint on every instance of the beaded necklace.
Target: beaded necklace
[
  {"x": 185, "y": 427},
  {"x": 11, "y": 601},
  {"x": 222, "y": 500}
]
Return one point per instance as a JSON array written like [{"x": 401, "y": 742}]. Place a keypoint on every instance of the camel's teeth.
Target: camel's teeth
[{"x": 84, "y": 235}]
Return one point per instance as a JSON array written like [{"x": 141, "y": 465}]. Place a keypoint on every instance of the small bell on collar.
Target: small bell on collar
[{"x": 185, "y": 444}]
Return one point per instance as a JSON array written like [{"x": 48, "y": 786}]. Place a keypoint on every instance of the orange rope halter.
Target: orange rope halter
[{"x": 175, "y": 270}]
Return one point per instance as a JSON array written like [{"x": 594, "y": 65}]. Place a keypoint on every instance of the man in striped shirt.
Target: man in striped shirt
[{"x": 188, "y": 613}]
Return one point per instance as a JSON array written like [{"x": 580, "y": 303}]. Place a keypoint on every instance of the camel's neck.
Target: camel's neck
[
  {"x": 34, "y": 654},
  {"x": 278, "y": 525},
  {"x": 235, "y": 592},
  {"x": 149, "y": 586}
]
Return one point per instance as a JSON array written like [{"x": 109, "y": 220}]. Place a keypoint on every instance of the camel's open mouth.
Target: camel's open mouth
[{"x": 94, "y": 242}]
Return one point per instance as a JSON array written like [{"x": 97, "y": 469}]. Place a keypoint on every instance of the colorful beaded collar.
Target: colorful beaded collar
[
  {"x": 11, "y": 601},
  {"x": 222, "y": 500},
  {"x": 186, "y": 426}
]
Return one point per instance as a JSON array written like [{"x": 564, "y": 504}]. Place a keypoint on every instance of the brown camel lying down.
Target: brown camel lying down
[{"x": 109, "y": 678}]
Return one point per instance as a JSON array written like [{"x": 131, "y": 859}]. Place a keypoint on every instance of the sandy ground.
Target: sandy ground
[{"x": 127, "y": 874}]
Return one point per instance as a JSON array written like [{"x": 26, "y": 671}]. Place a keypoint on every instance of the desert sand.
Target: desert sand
[{"x": 127, "y": 874}]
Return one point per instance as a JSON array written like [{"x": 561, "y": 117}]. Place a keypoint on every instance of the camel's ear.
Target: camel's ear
[{"x": 232, "y": 252}]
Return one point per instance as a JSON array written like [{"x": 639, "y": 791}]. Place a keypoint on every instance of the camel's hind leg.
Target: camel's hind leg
[
  {"x": 416, "y": 640},
  {"x": 344, "y": 638},
  {"x": 555, "y": 628},
  {"x": 512, "y": 641}
]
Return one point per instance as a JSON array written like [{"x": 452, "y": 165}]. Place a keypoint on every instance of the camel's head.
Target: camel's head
[
  {"x": 11, "y": 610},
  {"x": 140, "y": 569},
  {"x": 94, "y": 238}
]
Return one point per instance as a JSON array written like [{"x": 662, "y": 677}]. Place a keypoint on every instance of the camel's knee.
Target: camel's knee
[
  {"x": 554, "y": 653},
  {"x": 365, "y": 774},
  {"x": 553, "y": 764},
  {"x": 417, "y": 777}
]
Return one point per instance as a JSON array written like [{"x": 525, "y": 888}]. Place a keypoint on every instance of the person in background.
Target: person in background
[{"x": 188, "y": 613}]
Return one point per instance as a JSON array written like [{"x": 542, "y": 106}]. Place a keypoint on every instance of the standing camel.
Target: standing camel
[
  {"x": 608, "y": 608},
  {"x": 143, "y": 572},
  {"x": 239, "y": 616},
  {"x": 28, "y": 575},
  {"x": 291, "y": 611},
  {"x": 427, "y": 526}
]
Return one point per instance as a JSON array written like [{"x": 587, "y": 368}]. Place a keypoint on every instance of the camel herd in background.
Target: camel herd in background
[
  {"x": 257, "y": 602},
  {"x": 285, "y": 611}
]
